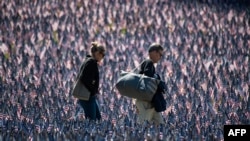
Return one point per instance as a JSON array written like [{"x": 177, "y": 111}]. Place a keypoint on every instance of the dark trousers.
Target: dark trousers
[{"x": 91, "y": 108}]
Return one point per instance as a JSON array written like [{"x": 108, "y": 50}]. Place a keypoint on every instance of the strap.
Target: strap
[
  {"x": 136, "y": 69},
  {"x": 81, "y": 69}
]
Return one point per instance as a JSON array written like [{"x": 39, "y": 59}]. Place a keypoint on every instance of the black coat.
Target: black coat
[
  {"x": 147, "y": 68},
  {"x": 89, "y": 74}
]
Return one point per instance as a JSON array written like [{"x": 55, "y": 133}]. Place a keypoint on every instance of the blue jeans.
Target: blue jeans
[{"x": 91, "y": 108}]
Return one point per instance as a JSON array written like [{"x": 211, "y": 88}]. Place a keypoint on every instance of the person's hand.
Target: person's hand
[{"x": 162, "y": 87}]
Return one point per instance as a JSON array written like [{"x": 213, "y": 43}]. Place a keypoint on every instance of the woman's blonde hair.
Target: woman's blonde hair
[{"x": 97, "y": 47}]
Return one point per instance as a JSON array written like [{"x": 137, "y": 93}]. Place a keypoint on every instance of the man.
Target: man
[{"x": 146, "y": 110}]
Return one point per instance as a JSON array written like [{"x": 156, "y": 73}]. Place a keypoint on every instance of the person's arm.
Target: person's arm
[
  {"x": 147, "y": 68},
  {"x": 88, "y": 76}
]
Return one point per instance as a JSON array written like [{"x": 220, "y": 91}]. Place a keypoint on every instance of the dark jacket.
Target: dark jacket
[
  {"x": 89, "y": 74},
  {"x": 147, "y": 68}
]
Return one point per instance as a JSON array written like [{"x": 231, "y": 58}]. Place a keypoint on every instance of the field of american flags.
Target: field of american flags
[{"x": 205, "y": 66}]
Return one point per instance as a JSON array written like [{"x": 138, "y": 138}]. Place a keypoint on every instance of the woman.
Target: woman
[{"x": 90, "y": 78}]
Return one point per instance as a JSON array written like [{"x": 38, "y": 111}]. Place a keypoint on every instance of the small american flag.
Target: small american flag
[
  {"x": 50, "y": 128},
  {"x": 104, "y": 116},
  {"x": 114, "y": 121},
  {"x": 38, "y": 128},
  {"x": 1, "y": 116},
  {"x": 111, "y": 106}
]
